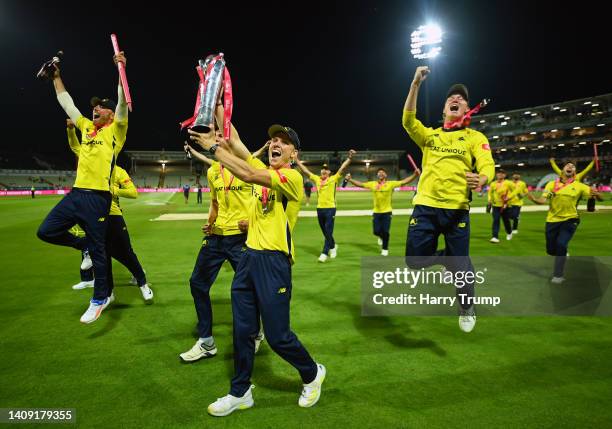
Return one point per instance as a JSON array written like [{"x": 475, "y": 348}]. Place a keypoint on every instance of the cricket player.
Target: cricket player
[
  {"x": 226, "y": 234},
  {"x": 562, "y": 220},
  {"x": 118, "y": 244},
  {"x": 516, "y": 203},
  {"x": 382, "y": 191},
  {"x": 579, "y": 176},
  {"x": 326, "y": 185},
  {"x": 88, "y": 204},
  {"x": 456, "y": 161},
  {"x": 263, "y": 277},
  {"x": 501, "y": 192}
]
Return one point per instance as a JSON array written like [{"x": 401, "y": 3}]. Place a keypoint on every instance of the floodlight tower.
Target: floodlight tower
[{"x": 426, "y": 44}]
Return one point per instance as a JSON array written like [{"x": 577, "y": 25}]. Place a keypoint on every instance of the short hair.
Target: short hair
[{"x": 381, "y": 169}]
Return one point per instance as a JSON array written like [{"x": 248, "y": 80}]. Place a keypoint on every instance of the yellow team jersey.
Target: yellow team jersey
[
  {"x": 122, "y": 183},
  {"x": 122, "y": 187},
  {"x": 326, "y": 190},
  {"x": 382, "y": 193},
  {"x": 98, "y": 153},
  {"x": 520, "y": 190},
  {"x": 563, "y": 199},
  {"x": 501, "y": 193},
  {"x": 447, "y": 156},
  {"x": 274, "y": 211},
  {"x": 233, "y": 196},
  {"x": 579, "y": 176}
]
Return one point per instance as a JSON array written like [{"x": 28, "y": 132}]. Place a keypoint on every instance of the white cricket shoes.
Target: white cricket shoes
[
  {"x": 228, "y": 404},
  {"x": 312, "y": 391}
]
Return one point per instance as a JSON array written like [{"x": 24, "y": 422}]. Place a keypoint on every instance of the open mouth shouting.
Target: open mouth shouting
[
  {"x": 454, "y": 107},
  {"x": 275, "y": 152}
]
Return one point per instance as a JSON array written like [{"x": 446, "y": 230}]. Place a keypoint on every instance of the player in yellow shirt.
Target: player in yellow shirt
[
  {"x": 263, "y": 277},
  {"x": 382, "y": 192},
  {"x": 118, "y": 243},
  {"x": 326, "y": 185},
  {"x": 456, "y": 161},
  {"x": 89, "y": 201},
  {"x": 579, "y": 176},
  {"x": 516, "y": 203},
  {"x": 501, "y": 192},
  {"x": 224, "y": 240},
  {"x": 562, "y": 220}
]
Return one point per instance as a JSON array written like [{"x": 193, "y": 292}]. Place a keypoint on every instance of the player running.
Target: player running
[
  {"x": 456, "y": 161},
  {"x": 501, "y": 192},
  {"x": 326, "y": 185},
  {"x": 382, "y": 193}
]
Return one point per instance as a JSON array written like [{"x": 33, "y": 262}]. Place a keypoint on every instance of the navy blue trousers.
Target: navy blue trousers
[
  {"x": 88, "y": 209},
  {"x": 215, "y": 250},
  {"x": 505, "y": 215},
  {"x": 558, "y": 236},
  {"x": 119, "y": 247},
  {"x": 515, "y": 214},
  {"x": 262, "y": 285},
  {"x": 425, "y": 227},
  {"x": 326, "y": 222},
  {"x": 381, "y": 225}
]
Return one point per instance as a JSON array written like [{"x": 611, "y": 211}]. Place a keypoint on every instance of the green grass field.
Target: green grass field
[{"x": 124, "y": 370}]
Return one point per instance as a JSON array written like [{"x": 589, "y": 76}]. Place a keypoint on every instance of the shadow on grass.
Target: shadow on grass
[{"x": 113, "y": 315}]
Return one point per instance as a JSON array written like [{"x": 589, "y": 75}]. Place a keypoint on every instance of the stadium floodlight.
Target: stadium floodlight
[
  {"x": 594, "y": 105},
  {"x": 576, "y": 128},
  {"x": 528, "y": 112},
  {"x": 497, "y": 165},
  {"x": 534, "y": 114},
  {"x": 579, "y": 114},
  {"x": 522, "y": 148},
  {"x": 482, "y": 121},
  {"x": 606, "y": 141},
  {"x": 501, "y": 116},
  {"x": 533, "y": 133},
  {"x": 504, "y": 123},
  {"x": 561, "y": 144},
  {"x": 554, "y": 131},
  {"x": 520, "y": 164},
  {"x": 426, "y": 42},
  {"x": 582, "y": 143},
  {"x": 563, "y": 110},
  {"x": 503, "y": 149},
  {"x": 495, "y": 137},
  {"x": 601, "y": 125},
  {"x": 556, "y": 108},
  {"x": 540, "y": 146},
  {"x": 587, "y": 102}
]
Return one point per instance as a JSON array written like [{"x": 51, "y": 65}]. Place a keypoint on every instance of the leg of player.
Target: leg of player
[
  {"x": 558, "y": 236},
  {"x": 87, "y": 277},
  {"x": 506, "y": 215},
  {"x": 456, "y": 224},
  {"x": 422, "y": 238},
  {"x": 121, "y": 250},
  {"x": 385, "y": 228},
  {"x": 515, "y": 220},
  {"x": 322, "y": 217},
  {"x": 329, "y": 228},
  {"x": 207, "y": 266},
  {"x": 495, "y": 228}
]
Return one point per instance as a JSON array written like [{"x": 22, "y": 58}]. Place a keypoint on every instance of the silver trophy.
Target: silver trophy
[{"x": 209, "y": 93}]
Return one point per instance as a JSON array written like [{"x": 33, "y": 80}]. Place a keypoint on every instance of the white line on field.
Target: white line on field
[{"x": 343, "y": 213}]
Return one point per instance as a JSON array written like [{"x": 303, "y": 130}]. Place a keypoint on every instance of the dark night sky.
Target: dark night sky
[{"x": 336, "y": 72}]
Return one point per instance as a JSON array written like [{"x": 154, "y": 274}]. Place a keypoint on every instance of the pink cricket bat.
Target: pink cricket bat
[
  {"x": 121, "y": 67},
  {"x": 414, "y": 166}
]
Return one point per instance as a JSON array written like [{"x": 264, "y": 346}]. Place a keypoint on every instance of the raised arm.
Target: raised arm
[
  {"x": 302, "y": 167},
  {"x": 584, "y": 172},
  {"x": 206, "y": 160},
  {"x": 554, "y": 166},
  {"x": 410, "y": 178},
  {"x": 353, "y": 181},
  {"x": 419, "y": 76},
  {"x": 262, "y": 150},
  {"x": 236, "y": 145},
  {"x": 238, "y": 166},
  {"x": 121, "y": 111},
  {"x": 347, "y": 162},
  {"x": 64, "y": 99},
  {"x": 73, "y": 141}
]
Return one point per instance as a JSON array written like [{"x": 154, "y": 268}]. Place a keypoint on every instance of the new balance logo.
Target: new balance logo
[
  {"x": 102, "y": 219},
  {"x": 282, "y": 290},
  {"x": 461, "y": 224},
  {"x": 413, "y": 221}
]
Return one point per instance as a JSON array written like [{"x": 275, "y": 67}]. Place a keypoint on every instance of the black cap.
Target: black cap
[
  {"x": 325, "y": 166},
  {"x": 460, "y": 89},
  {"x": 293, "y": 137},
  {"x": 107, "y": 103}
]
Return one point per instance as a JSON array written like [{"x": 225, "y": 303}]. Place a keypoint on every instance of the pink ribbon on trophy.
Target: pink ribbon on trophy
[{"x": 228, "y": 101}]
